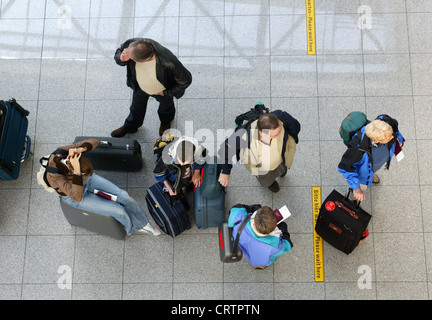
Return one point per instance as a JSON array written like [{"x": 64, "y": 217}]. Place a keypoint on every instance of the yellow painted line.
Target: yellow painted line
[
  {"x": 310, "y": 27},
  {"x": 317, "y": 243}
]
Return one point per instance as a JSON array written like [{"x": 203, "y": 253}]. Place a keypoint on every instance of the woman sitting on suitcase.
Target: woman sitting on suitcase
[
  {"x": 262, "y": 240},
  {"x": 76, "y": 182},
  {"x": 180, "y": 164}
]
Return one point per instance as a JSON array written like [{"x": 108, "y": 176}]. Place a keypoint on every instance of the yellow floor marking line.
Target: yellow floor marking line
[
  {"x": 317, "y": 243},
  {"x": 310, "y": 27}
]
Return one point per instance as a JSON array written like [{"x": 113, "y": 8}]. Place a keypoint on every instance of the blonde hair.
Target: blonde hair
[{"x": 378, "y": 130}]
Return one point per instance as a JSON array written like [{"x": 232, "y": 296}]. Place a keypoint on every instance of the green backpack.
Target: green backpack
[{"x": 352, "y": 122}]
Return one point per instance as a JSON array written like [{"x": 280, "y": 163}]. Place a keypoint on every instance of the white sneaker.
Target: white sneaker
[{"x": 149, "y": 230}]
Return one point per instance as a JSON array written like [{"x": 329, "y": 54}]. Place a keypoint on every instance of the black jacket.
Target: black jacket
[
  {"x": 169, "y": 70},
  {"x": 233, "y": 144}
]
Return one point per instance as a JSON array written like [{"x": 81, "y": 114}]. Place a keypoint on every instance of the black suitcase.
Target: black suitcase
[
  {"x": 342, "y": 223},
  {"x": 14, "y": 141},
  {"x": 168, "y": 212},
  {"x": 115, "y": 154},
  {"x": 229, "y": 250}
]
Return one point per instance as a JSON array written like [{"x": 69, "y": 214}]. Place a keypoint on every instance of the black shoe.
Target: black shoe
[
  {"x": 122, "y": 131},
  {"x": 274, "y": 187},
  {"x": 163, "y": 128}
]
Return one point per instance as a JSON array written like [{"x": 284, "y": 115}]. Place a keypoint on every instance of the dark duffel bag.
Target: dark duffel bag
[{"x": 341, "y": 222}]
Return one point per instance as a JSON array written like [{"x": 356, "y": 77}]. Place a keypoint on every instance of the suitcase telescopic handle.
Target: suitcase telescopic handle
[
  {"x": 347, "y": 197},
  {"x": 104, "y": 144}
]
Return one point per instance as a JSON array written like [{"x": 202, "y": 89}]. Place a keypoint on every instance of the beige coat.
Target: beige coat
[{"x": 261, "y": 158}]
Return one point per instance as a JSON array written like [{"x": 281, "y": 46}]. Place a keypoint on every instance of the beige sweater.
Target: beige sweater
[
  {"x": 262, "y": 158},
  {"x": 146, "y": 77}
]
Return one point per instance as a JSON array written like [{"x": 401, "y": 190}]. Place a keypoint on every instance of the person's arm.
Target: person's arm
[{"x": 119, "y": 56}]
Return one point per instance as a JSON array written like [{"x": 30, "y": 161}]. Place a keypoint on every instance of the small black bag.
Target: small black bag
[{"x": 341, "y": 222}]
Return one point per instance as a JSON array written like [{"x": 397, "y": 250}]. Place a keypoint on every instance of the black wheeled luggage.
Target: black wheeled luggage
[
  {"x": 115, "y": 154},
  {"x": 14, "y": 141},
  {"x": 341, "y": 222},
  {"x": 229, "y": 250},
  {"x": 168, "y": 212}
]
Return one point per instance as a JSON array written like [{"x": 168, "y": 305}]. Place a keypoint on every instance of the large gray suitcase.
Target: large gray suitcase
[{"x": 96, "y": 222}]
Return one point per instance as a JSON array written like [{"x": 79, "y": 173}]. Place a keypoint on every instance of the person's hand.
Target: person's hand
[
  {"x": 196, "y": 178},
  {"x": 224, "y": 179},
  {"x": 171, "y": 192},
  {"x": 74, "y": 161},
  {"x": 358, "y": 194},
  {"x": 125, "y": 55},
  {"x": 74, "y": 151}
]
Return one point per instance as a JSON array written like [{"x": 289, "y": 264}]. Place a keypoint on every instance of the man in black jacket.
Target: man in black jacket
[
  {"x": 266, "y": 147},
  {"x": 152, "y": 70}
]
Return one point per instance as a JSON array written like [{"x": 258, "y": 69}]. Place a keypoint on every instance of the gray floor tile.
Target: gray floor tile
[
  {"x": 66, "y": 8},
  {"x": 400, "y": 257},
  {"x": 12, "y": 259},
  {"x": 248, "y": 291},
  {"x": 17, "y": 42},
  {"x": 44, "y": 256},
  {"x": 420, "y": 69},
  {"x": 97, "y": 291},
  {"x": 388, "y": 34},
  {"x": 402, "y": 291},
  {"x": 164, "y": 30},
  {"x": 106, "y": 35},
  {"x": 293, "y": 76},
  {"x": 65, "y": 38},
  {"x": 98, "y": 259},
  {"x": 196, "y": 259},
  {"x": 338, "y": 33},
  {"x": 387, "y": 75},
  {"x": 340, "y": 75},
  {"x": 54, "y": 85},
  {"x": 148, "y": 259}
]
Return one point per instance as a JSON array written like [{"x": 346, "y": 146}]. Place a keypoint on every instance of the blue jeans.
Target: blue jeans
[{"x": 126, "y": 210}]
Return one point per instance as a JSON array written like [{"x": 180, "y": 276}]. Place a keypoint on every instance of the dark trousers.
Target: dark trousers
[{"x": 138, "y": 108}]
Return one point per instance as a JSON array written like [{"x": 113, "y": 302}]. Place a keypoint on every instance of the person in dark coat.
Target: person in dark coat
[
  {"x": 266, "y": 148},
  {"x": 152, "y": 71}
]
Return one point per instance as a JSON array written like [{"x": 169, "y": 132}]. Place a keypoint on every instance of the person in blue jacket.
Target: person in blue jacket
[
  {"x": 262, "y": 240},
  {"x": 371, "y": 148}
]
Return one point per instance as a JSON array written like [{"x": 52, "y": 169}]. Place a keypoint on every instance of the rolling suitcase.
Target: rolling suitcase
[
  {"x": 229, "y": 250},
  {"x": 14, "y": 141},
  {"x": 208, "y": 212},
  {"x": 168, "y": 212},
  {"x": 209, "y": 198},
  {"x": 341, "y": 223},
  {"x": 210, "y": 186},
  {"x": 115, "y": 154},
  {"x": 93, "y": 221}
]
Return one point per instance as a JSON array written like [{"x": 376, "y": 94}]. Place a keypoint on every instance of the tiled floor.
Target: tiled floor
[{"x": 57, "y": 61}]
